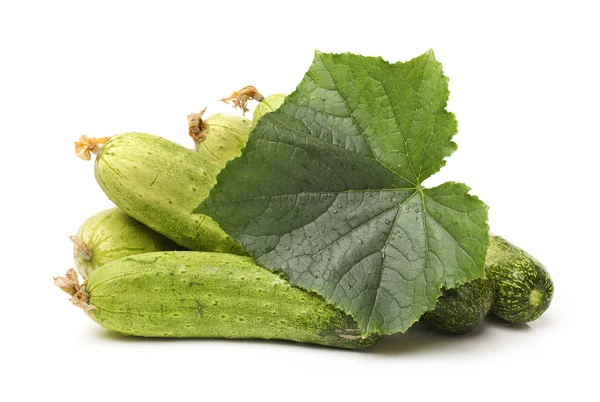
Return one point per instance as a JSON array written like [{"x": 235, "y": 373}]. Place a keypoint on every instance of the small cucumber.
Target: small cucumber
[
  {"x": 267, "y": 105},
  {"x": 187, "y": 294},
  {"x": 459, "y": 310},
  {"x": 220, "y": 137},
  {"x": 523, "y": 288},
  {"x": 110, "y": 235},
  {"x": 159, "y": 183}
]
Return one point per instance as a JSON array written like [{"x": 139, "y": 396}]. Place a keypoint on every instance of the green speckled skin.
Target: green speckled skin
[
  {"x": 225, "y": 137},
  {"x": 267, "y": 105},
  {"x": 160, "y": 183},
  {"x": 524, "y": 289},
  {"x": 187, "y": 294},
  {"x": 459, "y": 310},
  {"x": 112, "y": 234}
]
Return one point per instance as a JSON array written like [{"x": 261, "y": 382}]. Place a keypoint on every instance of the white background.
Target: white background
[{"x": 525, "y": 89}]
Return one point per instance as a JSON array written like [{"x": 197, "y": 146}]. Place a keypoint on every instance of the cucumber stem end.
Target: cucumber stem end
[{"x": 70, "y": 284}]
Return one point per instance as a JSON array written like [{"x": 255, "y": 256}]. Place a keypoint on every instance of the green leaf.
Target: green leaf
[{"x": 328, "y": 190}]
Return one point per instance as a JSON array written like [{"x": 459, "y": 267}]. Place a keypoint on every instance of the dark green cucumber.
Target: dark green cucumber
[
  {"x": 459, "y": 310},
  {"x": 523, "y": 288},
  {"x": 160, "y": 183},
  {"x": 186, "y": 294}
]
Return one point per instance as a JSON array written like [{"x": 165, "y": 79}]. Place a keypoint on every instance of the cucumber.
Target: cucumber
[
  {"x": 523, "y": 287},
  {"x": 160, "y": 183},
  {"x": 267, "y": 105},
  {"x": 219, "y": 138},
  {"x": 110, "y": 235},
  {"x": 187, "y": 294},
  {"x": 459, "y": 310}
]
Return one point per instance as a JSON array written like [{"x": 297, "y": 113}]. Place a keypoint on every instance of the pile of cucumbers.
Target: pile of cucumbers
[{"x": 152, "y": 268}]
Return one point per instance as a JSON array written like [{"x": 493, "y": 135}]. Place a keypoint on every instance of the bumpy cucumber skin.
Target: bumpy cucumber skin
[
  {"x": 459, "y": 310},
  {"x": 160, "y": 183},
  {"x": 225, "y": 137},
  {"x": 186, "y": 294},
  {"x": 523, "y": 287},
  {"x": 112, "y": 234},
  {"x": 267, "y": 105}
]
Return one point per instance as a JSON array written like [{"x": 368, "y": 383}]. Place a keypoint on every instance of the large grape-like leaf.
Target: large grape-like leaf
[{"x": 328, "y": 190}]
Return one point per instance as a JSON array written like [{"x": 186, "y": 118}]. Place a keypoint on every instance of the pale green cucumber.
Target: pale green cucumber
[
  {"x": 160, "y": 183},
  {"x": 110, "y": 235},
  {"x": 220, "y": 137},
  {"x": 187, "y": 294},
  {"x": 267, "y": 105}
]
